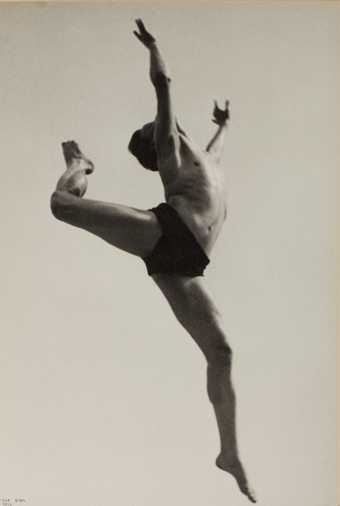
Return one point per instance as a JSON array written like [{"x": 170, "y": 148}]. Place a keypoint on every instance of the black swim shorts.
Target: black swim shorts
[{"x": 177, "y": 251}]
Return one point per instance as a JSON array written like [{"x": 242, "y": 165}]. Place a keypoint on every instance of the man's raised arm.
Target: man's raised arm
[
  {"x": 166, "y": 131},
  {"x": 221, "y": 116},
  {"x": 158, "y": 71}
]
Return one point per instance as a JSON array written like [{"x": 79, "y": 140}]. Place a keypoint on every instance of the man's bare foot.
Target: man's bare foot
[
  {"x": 74, "y": 179},
  {"x": 235, "y": 468}
]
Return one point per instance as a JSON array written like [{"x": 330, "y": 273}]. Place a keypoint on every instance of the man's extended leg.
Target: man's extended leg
[
  {"x": 132, "y": 230},
  {"x": 196, "y": 311}
]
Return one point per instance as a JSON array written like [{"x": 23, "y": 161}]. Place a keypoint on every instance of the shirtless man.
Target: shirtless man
[{"x": 174, "y": 239}]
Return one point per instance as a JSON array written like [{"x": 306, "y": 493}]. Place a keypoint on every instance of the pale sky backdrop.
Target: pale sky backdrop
[{"x": 102, "y": 393}]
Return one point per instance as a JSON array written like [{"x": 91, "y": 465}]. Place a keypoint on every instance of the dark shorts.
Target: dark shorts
[{"x": 177, "y": 251}]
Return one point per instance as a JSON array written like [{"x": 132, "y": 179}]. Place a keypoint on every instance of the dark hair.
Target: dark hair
[{"x": 144, "y": 150}]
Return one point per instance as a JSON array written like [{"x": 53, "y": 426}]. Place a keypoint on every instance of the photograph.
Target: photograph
[{"x": 169, "y": 253}]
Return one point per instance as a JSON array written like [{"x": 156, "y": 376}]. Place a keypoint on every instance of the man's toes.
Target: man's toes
[
  {"x": 249, "y": 493},
  {"x": 252, "y": 498},
  {"x": 71, "y": 147},
  {"x": 70, "y": 150}
]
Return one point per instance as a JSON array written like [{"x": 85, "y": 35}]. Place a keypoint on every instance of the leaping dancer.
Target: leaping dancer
[{"x": 174, "y": 239}]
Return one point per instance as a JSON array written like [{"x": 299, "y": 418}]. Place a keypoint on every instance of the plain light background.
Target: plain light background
[{"x": 102, "y": 393}]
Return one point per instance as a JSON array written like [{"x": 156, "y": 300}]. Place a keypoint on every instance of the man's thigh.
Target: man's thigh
[{"x": 132, "y": 230}]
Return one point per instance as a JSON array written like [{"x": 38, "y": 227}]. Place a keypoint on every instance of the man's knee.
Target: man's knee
[
  {"x": 221, "y": 355},
  {"x": 58, "y": 204},
  {"x": 55, "y": 205}
]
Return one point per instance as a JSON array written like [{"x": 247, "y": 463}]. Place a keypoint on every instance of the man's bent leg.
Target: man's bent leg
[
  {"x": 196, "y": 311},
  {"x": 132, "y": 230}
]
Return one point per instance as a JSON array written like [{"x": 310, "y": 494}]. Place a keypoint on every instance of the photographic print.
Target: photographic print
[{"x": 168, "y": 253}]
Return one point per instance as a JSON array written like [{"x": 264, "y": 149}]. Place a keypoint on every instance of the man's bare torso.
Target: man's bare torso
[{"x": 197, "y": 192}]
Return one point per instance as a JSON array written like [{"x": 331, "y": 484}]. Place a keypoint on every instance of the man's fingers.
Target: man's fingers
[
  {"x": 137, "y": 35},
  {"x": 217, "y": 107},
  {"x": 140, "y": 25}
]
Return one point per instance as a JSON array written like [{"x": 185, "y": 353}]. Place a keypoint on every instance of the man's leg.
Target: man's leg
[
  {"x": 196, "y": 311},
  {"x": 132, "y": 230}
]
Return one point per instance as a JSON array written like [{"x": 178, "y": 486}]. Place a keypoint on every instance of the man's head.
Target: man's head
[{"x": 142, "y": 146}]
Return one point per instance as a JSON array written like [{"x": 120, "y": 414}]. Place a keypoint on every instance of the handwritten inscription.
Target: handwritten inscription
[{"x": 8, "y": 501}]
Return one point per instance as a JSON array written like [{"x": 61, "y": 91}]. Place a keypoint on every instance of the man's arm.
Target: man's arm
[
  {"x": 221, "y": 116},
  {"x": 166, "y": 130}
]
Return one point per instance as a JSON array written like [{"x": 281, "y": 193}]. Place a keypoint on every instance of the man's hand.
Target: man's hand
[
  {"x": 221, "y": 115},
  {"x": 143, "y": 35}
]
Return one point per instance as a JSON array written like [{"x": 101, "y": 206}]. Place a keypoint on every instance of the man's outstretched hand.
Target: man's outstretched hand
[
  {"x": 143, "y": 35},
  {"x": 221, "y": 115}
]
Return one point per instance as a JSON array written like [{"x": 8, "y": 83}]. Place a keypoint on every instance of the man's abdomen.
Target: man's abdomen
[{"x": 204, "y": 221}]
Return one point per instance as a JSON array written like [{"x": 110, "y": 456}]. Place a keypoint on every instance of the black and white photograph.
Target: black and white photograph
[{"x": 169, "y": 254}]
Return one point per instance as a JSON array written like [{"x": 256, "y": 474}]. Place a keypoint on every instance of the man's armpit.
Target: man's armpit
[{"x": 168, "y": 148}]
